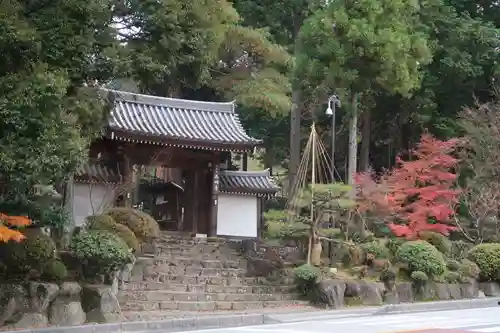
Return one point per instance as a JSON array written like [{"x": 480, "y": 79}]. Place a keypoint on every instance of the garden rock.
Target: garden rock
[
  {"x": 331, "y": 293},
  {"x": 41, "y": 295},
  {"x": 100, "y": 304},
  {"x": 66, "y": 310},
  {"x": 13, "y": 303},
  {"x": 490, "y": 289},
  {"x": 32, "y": 320}
]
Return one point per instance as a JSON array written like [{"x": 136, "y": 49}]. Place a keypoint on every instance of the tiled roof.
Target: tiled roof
[
  {"x": 247, "y": 182},
  {"x": 96, "y": 173},
  {"x": 177, "y": 122}
]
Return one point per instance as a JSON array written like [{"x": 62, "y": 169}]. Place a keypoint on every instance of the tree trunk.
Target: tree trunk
[
  {"x": 364, "y": 161},
  {"x": 353, "y": 157},
  {"x": 353, "y": 140},
  {"x": 294, "y": 142}
]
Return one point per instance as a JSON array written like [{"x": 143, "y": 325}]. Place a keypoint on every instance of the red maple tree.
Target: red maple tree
[{"x": 419, "y": 190}]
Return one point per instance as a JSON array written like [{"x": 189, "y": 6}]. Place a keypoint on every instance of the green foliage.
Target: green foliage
[
  {"x": 99, "y": 252},
  {"x": 393, "y": 244},
  {"x": 142, "y": 225},
  {"x": 487, "y": 258},
  {"x": 106, "y": 222},
  {"x": 468, "y": 269},
  {"x": 28, "y": 256},
  {"x": 419, "y": 277},
  {"x": 422, "y": 256},
  {"x": 306, "y": 277},
  {"x": 459, "y": 249},
  {"x": 55, "y": 271},
  {"x": 452, "y": 277},
  {"x": 377, "y": 248},
  {"x": 452, "y": 265},
  {"x": 441, "y": 242},
  {"x": 388, "y": 275}
]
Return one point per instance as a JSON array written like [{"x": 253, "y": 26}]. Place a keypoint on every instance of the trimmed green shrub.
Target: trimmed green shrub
[
  {"x": 393, "y": 244},
  {"x": 29, "y": 255},
  {"x": 54, "y": 271},
  {"x": 452, "y": 265},
  {"x": 99, "y": 222},
  {"x": 377, "y": 248},
  {"x": 452, "y": 277},
  {"x": 440, "y": 242},
  {"x": 468, "y": 270},
  {"x": 142, "y": 225},
  {"x": 100, "y": 252},
  {"x": 419, "y": 277},
  {"x": 487, "y": 258},
  {"x": 422, "y": 256},
  {"x": 305, "y": 277},
  {"x": 459, "y": 249},
  {"x": 106, "y": 222}
]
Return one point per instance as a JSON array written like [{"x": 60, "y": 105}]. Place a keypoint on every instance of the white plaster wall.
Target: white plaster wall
[
  {"x": 91, "y": 199},
  {"x": 237, "y": 215}
]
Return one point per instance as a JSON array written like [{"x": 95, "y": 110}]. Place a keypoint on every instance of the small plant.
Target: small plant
[
  {"x": 459, "y": 249},
  {"x": 142, "y": 225},
  {"x": 419, "y": 277},
  {"x": 34, "y": 251},
  {"x": 422, "y": 256},
  {"x": 306, "y": 277},
  {"x": 468, "y": 269},
  {"x": 377, "y": 248},
  {"x": 99, "y": 252},
  {"x": 106, "y": 222},
  {"x": 388, "y": 275},
  {"x": 54, "y": 271},
  {"x": 440, "y": 241},
  {"x": 452, "y": 277},
  {"x": 487, "y": 258},
  {"x": 452, "y": 265}
]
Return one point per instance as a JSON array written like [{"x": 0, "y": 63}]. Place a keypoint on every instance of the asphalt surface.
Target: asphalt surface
[{"x": 483, "y": 320}]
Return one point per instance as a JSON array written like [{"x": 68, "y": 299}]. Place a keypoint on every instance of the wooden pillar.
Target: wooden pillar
[
  {"x": 212, "y": 230},
  {"x": 197, "y": 186},
  {"x": 188, "y": 200}
]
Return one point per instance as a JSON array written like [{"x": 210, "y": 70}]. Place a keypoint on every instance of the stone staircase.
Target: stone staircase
[{"x": 187, "y": 275}]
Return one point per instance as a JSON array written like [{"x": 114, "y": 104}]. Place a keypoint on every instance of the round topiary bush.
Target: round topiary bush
[
  {"x": 100, "y": 252},
  {"x": 99, "y": 222},
  {"x": 422, "y": 256},
  {"x": 376, "y": 248},
  {"x": 54, "y": 271},
  {"x": 452, "y": 265},
  {"x": 419, "y": 277},
  {"x": 440, "y": 242},
  {"x": 31, "y": 254},
  {"x": 452, "y": 277},
  {"x": 142, "y": 225},
  {"x": 487, "y": 258},
  {"x": 468, "y": 269},
  {"x": 106, "y": 222},
  {"x": 305, "y": 277}
]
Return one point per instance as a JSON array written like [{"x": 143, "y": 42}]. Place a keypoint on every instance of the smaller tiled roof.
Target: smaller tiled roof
[
  {"x": 97, "y": 173},
  {"x": 177, "y": 122},
  {"x": 247, "y": 182}
]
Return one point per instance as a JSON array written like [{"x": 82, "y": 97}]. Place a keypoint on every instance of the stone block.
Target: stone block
[
  {"x": 224, "y": 305},
  {"x": 169, "y": 305}
]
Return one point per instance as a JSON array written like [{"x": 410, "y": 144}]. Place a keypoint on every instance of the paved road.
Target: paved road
[{"x": 485, "y": 320}]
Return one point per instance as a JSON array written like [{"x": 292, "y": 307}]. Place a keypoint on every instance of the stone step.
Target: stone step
[
  {"x": 205, "y": 306},
  {"x": 196, "y": 262},
  {"x": 210, "y": 288},
  {"x": 214, "y": 285},
  {"x": 176, "y": 273},
  {"x": 184, "y": 296},
  {"x": 194, "y": 249},
  {"x": 200, "y": 255}
]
